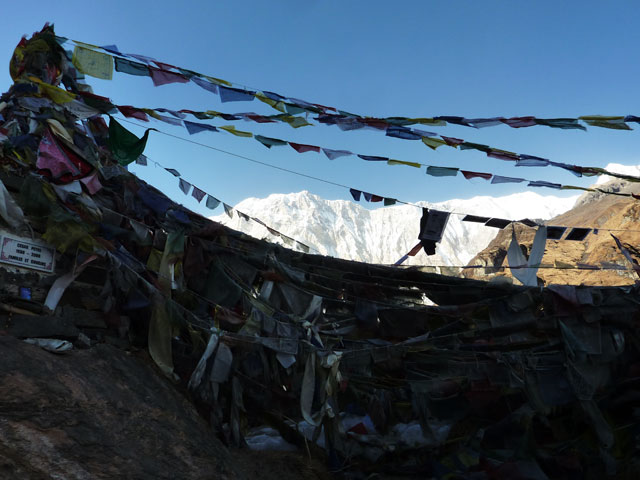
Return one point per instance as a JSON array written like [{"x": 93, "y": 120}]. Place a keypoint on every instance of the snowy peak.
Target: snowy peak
[{"x": 344, "y": 229}]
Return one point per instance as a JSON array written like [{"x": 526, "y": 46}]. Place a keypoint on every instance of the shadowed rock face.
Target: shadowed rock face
[
  {"x": 98, "y": 413},
  {"x": 594, "y": 210}
]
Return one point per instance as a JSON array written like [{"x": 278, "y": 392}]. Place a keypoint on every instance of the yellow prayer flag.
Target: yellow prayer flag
[
  {"x": 58, "y": 95},
  {"x": 429, "y": 121},
  {"x": 272, "y": 103},
  {"x": 433, "y": 142},
  {"x": 217, "y": 81},
  {"x": 402, "y": 162},
  {"x": 90, "y": 62},
  {"x": 237, "y": 133},
  {"x": 59, "y": 130}
]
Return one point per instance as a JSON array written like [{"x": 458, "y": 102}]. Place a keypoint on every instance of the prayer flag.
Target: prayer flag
[
  {"x": 164, "y": 77},
  {"x": 124, "y": 145},
  {"x": 269, "y": 142},
  {"x": 90, "y": 62},
  {"x": 212, "y": 202},
  {"x": 355, "y": 194},
  {"x": 469, "y": 175},
  {"x": 131, "y": 68},
  {"x": 197, "y": 194},
  {"x": 193, "y": 127},
  {"x": 442, "y": 171},
  {"x": 228, "y": 94},
  {"x": 333, "y": 154},
  {"x": 184, "y": 186},
  {"x": 302, "y": 148},
  {"x": 231, "y": 129}
]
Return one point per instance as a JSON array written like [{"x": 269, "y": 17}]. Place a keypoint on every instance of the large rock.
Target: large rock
[{"x": 98, "y": 414}]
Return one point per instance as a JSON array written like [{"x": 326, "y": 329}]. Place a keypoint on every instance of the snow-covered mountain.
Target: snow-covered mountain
[{"x": 347, "y": 230}]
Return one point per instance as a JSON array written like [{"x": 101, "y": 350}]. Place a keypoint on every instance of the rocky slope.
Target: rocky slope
[{"x": 595, "y": 210}]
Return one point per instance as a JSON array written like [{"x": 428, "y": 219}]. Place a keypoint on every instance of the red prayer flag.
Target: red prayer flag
[
  {"x": 469, "y": 175},
  {"x": 133, "y": 112},
  {"x": 163, "y": 77},
  {"x": 301, "y": 147}
]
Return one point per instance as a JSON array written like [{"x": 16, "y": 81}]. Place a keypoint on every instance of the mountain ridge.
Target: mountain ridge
[{"x": 344, "y": 229}]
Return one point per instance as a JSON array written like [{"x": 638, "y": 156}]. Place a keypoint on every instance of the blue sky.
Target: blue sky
[{"x": 410, "y": 58}]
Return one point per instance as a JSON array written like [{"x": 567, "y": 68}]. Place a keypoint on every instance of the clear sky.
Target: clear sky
[{"x": 379, "y": 58}]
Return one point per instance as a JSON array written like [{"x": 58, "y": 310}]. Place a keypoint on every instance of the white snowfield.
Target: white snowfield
[{"x": 347, "y": 230}]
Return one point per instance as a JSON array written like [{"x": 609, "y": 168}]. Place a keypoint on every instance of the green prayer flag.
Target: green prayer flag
[
  {"x": 442, "y": 171},
  {"x": 124, "y": 145}
]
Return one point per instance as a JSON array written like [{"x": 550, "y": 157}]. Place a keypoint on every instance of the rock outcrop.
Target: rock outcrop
[{"x": 569, "y": 262}]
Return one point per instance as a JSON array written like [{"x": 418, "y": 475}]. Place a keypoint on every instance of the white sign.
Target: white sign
[{"x": 26, "y": 253}]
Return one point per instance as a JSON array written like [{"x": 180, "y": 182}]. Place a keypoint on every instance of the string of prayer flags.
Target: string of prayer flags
[
  {"x": 87, "y": 60},
  {"x": 212, "y": 203}
]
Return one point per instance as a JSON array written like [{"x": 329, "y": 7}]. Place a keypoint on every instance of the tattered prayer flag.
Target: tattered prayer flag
[
  {"x": 402, "y": 132},
  {"x": 228, "y": 210},
  {"x": 376, "y": 198},
  {"x": 540, "y": 183},
  {"x": 389, "y": 201},
  {"x": 243, "y": 216},
  {"x": 373, "y": 158},
  {"x": 414, "y": 251},
  {"x": 124, "y": 145},
  {"x": 197, "y": 194},
  {"x": 355, "y": 194},
  {"x": 530, "y": 161},
  {"x": 90, "y": 62},
  {"x": 501, "y": 179},
  {"x": 173, "y": 172},
  {"x": 333, "y": 154},
  {"x": 184, "y": 186},
  {"x": 452, "y": 142},
  {"x": 206, "y": 84},
  {"x": 627, "y": 255},
  {"x": 401, "y": 260},
  {"x": 578, "y": 234},
  {"x": 442, "y": 171},
  {"x": 475, "y": 146},
  {"x": 142, "y": 160},
  {"x": 469, "y": 175},
  {"x": 212, "y": 202},
  {"x": 132, "y": 112},
  {"x": 520, "y": 122},
  {"x": 433, "y": 143},
  {"x": 164, "y": 77},
  {"x": 92, "y": 183},
  {"x": 367, "y": 196},
  {"x": 617, "y": 122},
  {"x": 170, "y": 120},
  {"x": 563, "y": 123},
  {"x": 502, "y": 154},
  {"x": 269, "y": 142},
  {"x": 194, "y": 127},
  {"x": 228, "y": 94},
  {"x": 131, "y": 68},
  {"x": 402, "y": 162},
  {"x": 555, "y": 233},
  {"x": 302, "y": 148},
  {"x": 231, "y": 129},
  {"x": 497, "y": 222},
  {"x": 302, "y": 246}
]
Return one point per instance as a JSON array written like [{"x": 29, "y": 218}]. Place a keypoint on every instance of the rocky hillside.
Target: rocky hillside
[{"x": 595, "y": 210}]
